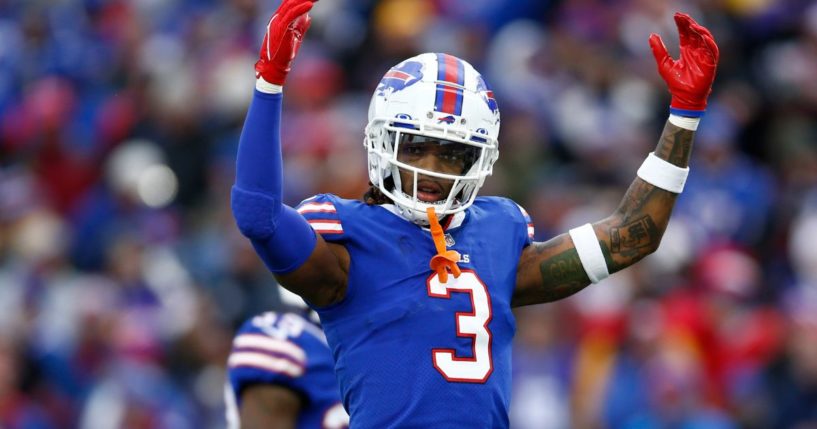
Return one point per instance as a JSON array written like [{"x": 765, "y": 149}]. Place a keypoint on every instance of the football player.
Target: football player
[
  {"x": 280, "y": 376},
  {"x": 415, "y": 284}
]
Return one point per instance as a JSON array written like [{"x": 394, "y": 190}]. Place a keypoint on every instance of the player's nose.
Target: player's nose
[{"x": 431, "y": 162}]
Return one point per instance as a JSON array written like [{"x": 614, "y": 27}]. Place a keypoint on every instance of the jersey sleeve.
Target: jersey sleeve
[
  {"x": 516, "y": 219},
  {"x": 259, "y": 357},
  {"x": 528, "y": 223},
  {"x": 321, "y": 211}
]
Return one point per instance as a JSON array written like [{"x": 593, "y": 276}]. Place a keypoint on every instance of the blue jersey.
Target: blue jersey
[
  {"x": 286, "y": 350},
  {"x": 411, "y": 352}
]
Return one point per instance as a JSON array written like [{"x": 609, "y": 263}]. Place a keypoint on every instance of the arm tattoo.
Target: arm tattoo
[
  {"x": 631, "y": 233},
  {"x": 675, "y": 145},
  {"x": 565, "y": 267},
  {"x": 630, "y": 242},
  {"x": 636, "y": 198},
  {"x": 633, "y": 236},
  {"x": 644, "y": 212},
  {"x": 562, "y": 274}
]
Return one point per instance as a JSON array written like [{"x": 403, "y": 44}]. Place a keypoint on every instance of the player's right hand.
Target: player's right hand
[{"x": 285, "y": 32}]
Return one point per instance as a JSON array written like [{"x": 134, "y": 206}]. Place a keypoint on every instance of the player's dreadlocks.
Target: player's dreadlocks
[{"x": 375, "y": 197}]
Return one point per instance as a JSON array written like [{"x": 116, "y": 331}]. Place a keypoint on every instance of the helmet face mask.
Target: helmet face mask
[
  {"x": 439, "y": 105},
  {"x": 454, "y": 157}
]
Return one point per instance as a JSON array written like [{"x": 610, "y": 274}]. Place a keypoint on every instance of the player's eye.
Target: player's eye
[
  {"x": 412, "y": 149},
  {"x": 453, "y": 156},
  {"x": 459, "y": 155}
]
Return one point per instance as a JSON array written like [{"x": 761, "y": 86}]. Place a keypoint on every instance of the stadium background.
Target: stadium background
[{"x": 122, "y": 274}]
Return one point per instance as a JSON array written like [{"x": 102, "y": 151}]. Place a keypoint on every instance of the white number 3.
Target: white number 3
[{"x": 472, "y": 325}]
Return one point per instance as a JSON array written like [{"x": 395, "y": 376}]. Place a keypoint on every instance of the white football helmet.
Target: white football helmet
[{"x": 432, "y": 99}]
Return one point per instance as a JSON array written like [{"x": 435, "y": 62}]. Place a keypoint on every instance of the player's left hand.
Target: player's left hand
[{"x": 690, "y": 77}]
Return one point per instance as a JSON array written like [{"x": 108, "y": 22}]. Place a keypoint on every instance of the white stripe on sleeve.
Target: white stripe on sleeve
[
  {"x": 268, "y": 344},
  {"x": 265, "y": 362}
]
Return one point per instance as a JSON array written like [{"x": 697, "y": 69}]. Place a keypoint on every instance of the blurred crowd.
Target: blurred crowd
[{"x": 123, "y": 277}]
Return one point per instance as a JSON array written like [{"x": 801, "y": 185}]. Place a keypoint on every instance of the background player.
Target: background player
[
  {"x": 413, "y": 346},
  {"x": 280, "y": 375}
]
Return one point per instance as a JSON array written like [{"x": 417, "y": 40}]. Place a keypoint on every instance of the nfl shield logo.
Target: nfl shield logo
[{"x": 449, "y": 240}]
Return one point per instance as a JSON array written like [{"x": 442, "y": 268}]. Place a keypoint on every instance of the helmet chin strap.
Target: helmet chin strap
[
  {"x": 444, "y": 260},
  {"x": 414, "y": 214}
]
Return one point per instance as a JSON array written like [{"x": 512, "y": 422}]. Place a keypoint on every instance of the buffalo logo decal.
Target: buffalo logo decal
[{"x": 400, "y": 77}]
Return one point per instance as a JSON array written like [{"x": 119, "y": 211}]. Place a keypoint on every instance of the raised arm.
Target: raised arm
[
  {"x": 564, "y": 265},
  {"x": 301, "y": 259}
]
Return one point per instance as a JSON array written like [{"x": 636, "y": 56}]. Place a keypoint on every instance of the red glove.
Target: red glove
[
  {"x": 285, "y": 32},
  {"x": 690, "y": 77}
]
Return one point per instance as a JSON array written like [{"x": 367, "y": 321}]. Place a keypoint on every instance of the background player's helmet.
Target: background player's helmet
[{"x": 444, "y": 99}]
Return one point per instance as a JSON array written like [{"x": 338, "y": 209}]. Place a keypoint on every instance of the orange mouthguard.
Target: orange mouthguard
[{"x": 444, "y": 260}]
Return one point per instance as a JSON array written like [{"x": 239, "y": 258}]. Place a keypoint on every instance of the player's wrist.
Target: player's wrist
[
  {"x": 688, "y": 105},
  {"x": 687, "y": 108},
  {"x": 685, "y": 122},
  {"x": 262, "y": 85},
  {"x": 270, "y": 73},
  {"x": 687, "y": 112}
]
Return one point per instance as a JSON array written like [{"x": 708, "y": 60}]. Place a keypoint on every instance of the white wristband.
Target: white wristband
[
  {"x": 266, "y": 87},
  {"x": 663, "y": 174},
  {"x": 589, "y": 249},
  {"x": 684, "y": 122}
]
